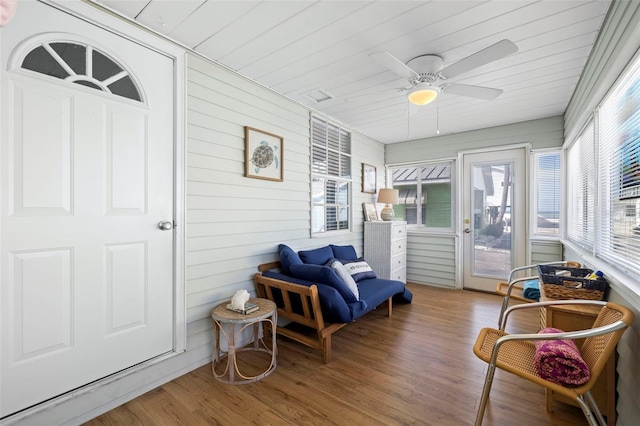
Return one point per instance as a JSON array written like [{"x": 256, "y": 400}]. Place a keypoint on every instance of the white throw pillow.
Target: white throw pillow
[{"x": 342, "y": 272}]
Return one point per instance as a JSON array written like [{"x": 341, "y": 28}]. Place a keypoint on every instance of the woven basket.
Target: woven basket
[
  {"x": 560, "y": 292},
  {"x": 575, "y": 286}
]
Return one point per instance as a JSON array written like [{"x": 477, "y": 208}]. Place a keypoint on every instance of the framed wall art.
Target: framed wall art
[
  {"x": 369, "y": 179},
  {"x": 264, "y": 155},
  {"x": 370, "y": 212}
]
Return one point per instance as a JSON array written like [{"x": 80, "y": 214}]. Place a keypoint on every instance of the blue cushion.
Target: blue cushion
[
  {"x": 288, "y": 257},
  {"x": 344, "y": 252},
  {"x": 334, "y": 308},
  {"x": 359, "y": 269},
  {"x": 323, "y": 275},
  {"x": 318, "y": 256},
  {"x": 376, "y": 291}
]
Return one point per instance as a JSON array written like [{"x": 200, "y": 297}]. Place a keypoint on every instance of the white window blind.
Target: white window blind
[
  {"x": 618, "y": 239},
  {"x": 331, "y": 177},
  {"x": 546, "y": 220},
  {"x": 581, "y": 189}
]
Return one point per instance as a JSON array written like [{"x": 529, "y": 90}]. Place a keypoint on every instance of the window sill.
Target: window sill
[
  {"x": 430, "y": 231},
  {"x": 330, "y": 234},
  {"x": 541, "y": 238},
  {"x": 623, "y": 282}
]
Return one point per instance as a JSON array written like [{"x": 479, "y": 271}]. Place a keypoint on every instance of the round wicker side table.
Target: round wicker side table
[{"x": 225, "y": 322}]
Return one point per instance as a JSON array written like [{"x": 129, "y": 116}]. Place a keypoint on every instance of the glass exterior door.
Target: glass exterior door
[{"x": 493, "y": 217}]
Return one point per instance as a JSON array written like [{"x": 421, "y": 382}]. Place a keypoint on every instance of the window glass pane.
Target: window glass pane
[
  {"x": 68, "y": 61},
  {"x": 424, "y": 194},
  {"x": 318, "y": 132},
  {"x": 333, "y": 140},
  {"x": 74, "y": 55},
  {"x": 317, "y": 216},
  {"x": 491, "y": 233},
  {"x": 331, "y": 176},
  {"x": 581, "y": 189},
  {"x": 331, "y": 190},
  {"x": 345, "y": 167},
  {"x": 103, "y": 67},
  {"x": 343, "y": 217},
  {"x": 125, "y": 88},
  {"x": 619, "y": 172},
  {"x": 437, "y": 205},
  {"x": 345, "y": 142},
  {"x": 41, "y": 61},
  {"x": 547, "y": 198},
  {"x": 88, "y": 84},
  {"x": 319, "y": 155},
  {"x": 333, "y": 164},
  {"x": 331, "y": 218}
]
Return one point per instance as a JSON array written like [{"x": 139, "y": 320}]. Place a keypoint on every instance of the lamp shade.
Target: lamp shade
[
  {"x": 388, "y": 196},
  {"x": 423, "y": 93}
]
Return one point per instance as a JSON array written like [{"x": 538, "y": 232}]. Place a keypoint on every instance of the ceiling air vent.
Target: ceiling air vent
[{"x": 319, "y": 95}]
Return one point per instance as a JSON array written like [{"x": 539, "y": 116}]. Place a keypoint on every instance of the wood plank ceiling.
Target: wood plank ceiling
[{"x": 300, "y": 47}]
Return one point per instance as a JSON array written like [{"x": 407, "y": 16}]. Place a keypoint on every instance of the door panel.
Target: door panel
[
  {"x": 126, "y": 162},
  {"x": 42, "y": 288},
  {"x": 40, "y": 186},
  {"x": 126, "y": 285},
  {"x": 493, "y": 216},
  {"x": 87, "y": 276}
]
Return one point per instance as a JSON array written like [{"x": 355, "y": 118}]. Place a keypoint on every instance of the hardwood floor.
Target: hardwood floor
[{"x": 415, "y": 368}]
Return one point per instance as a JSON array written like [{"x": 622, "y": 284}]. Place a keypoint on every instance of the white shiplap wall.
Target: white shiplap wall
[
  {"x": 617, "y": 43},
  {"x": 235, "y": 223},
  {"x": 542, "y": 133},
  {"x": 431, "y": 257},
  {"x": 545, "y": 251}
]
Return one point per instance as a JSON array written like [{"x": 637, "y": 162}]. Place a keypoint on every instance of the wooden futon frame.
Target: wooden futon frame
[{"x": 308, "y": 327}]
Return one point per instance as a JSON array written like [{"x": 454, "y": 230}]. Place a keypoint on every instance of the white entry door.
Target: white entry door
[
  {"x": 87, "y": 175},
  {"x": 494, "y": 216}
]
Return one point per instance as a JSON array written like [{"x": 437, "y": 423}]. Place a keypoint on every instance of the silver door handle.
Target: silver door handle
[
  {"x": 165, "y": 225},
  {"x": 467, "y": 230}
]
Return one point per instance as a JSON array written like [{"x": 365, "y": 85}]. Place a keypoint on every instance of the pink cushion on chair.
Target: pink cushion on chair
[{"x": 560, "y": 361}]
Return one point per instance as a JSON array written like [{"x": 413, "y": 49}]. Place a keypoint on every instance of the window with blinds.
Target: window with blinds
[
  {"x": 618, "y": 231},
  {"x": 546, "y": 172},
  {"x": 581, "y": 189},
  {"x": 330, "y": 177}
]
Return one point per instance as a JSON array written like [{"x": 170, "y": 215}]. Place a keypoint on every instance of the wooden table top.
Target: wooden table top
[{"x": 265, "y": 309}]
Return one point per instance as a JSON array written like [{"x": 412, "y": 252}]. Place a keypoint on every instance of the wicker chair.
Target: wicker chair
[
  {"x": 515, "y": 352},
  {"x": 513, "y": 288}
]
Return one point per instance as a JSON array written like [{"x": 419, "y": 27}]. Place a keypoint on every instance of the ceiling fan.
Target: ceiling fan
[{"x": 423, "y": 72}]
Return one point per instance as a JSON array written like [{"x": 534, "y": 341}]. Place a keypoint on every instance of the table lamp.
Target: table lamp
[{"x": 388, "y": 196}]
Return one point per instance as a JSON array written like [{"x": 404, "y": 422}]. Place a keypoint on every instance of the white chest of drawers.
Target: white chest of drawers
[{"x": 385, "y": 249}]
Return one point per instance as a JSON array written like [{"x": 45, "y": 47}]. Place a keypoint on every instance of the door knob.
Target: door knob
[
  {"x": 467, "y": 230},
  {"x": 165, "y": 225}
]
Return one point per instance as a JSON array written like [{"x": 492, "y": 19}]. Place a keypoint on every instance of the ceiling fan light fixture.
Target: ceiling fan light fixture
[{"x": 423, "y": 94}]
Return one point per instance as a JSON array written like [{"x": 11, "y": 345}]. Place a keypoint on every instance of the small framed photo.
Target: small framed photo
[
  {"x": 369, "y": 179},
  {"x": 370, "y": 212},
  {"x": 264, "y": 155}
]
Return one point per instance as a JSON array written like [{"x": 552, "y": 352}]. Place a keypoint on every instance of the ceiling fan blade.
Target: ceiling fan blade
[
  {"x": 478, "y": 92},
  {"x": 492, "y": 53},
  {"x": 394, "y": 64}
]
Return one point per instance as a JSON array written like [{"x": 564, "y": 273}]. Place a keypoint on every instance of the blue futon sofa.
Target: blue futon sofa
[{"x": 323, "y": 290}]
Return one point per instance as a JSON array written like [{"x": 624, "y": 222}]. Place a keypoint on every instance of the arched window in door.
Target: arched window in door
[{"x": 82, "y": 64}]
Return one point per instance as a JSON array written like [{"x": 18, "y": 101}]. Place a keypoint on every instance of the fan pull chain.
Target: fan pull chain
[
  {"x": 437, "y": 117},
  {"x": 408, "y": 120}
]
